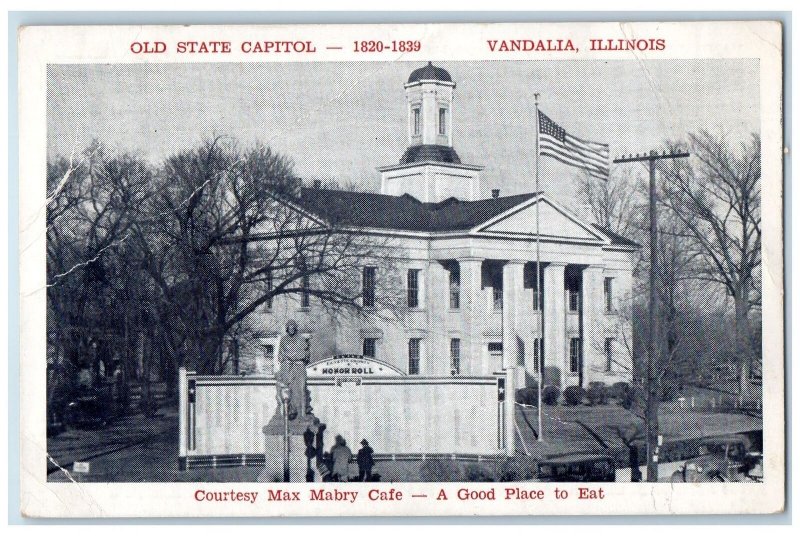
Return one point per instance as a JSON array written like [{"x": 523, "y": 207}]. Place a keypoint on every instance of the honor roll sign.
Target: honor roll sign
[{"x": 351, "y": 365}]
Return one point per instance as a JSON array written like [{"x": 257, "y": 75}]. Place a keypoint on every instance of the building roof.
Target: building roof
[
  {"x": 429, "y": 72},
  {"x": 617, "y": 239},
  {"x": 430, "y": 153},
  {"x": 406, "y": 213}
]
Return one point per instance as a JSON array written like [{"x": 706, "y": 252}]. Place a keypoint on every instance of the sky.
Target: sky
[{"x": 338, "y": 121}]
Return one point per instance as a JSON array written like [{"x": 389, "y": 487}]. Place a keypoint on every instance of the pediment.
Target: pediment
[{"x": 554, "y": 222}]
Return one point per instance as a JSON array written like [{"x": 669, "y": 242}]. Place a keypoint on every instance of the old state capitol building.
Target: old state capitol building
[{"x": 472, "y": 303}]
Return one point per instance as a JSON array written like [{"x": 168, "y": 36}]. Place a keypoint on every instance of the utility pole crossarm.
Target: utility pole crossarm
[{"x": 646, "y": 157}]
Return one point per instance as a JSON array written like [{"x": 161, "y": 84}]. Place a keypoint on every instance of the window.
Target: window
[
  {"x": 416, "y": 120},
  {"x": 537, "y": 294},
  {"x": 520, "y": 353},
  {"x": 495, "y": 348},
  {"x": 369, "y": 348},
  {"x": 455, "y": 288},
  {"x": 574, "y": 294},
  {"x": 574, "y": 355},
  {"x": 608, "y": 293},
  {"x": 497, "y": 298},
  {"x": 443, "y": 121},
  {"x": 455, "y": 356},
  {"x": 269, "y": 289},
  {"x": 268, "y": 364},
  {"x": 609, "y": 352},
  {"x": 413, "y": 355},
  {"x": 535, "y": 284},
  {"x": 538, "y": 353},
  {"x": 305, "y": 297},
  {"x": 368, "y": 292},
  {"x": 413, "y": 288}
]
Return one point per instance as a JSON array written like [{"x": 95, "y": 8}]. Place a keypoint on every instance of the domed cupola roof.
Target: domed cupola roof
[{"x": 429, "y": 72}]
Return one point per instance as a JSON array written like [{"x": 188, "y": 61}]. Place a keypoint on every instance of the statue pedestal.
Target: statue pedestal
[
  {"x": 273, "y": 466},
  {"x": 274, "y": 450}
]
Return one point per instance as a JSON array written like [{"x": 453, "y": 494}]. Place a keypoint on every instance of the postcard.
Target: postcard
[{"x": 401, "y": 270}]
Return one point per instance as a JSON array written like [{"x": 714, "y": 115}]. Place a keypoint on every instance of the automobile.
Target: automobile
[
  {"x": 90, "y": 406},
  {"x": 722, "y": 459},
  {"x": 577, "y": 468}
]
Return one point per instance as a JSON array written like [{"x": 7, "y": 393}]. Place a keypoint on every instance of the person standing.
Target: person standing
[
  {"x": 365, "y": 462},
  {"x": 341, "y": 455}
]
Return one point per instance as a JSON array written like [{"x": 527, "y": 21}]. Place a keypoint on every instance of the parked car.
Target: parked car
[
  {"x": 90, "y": 406},
  {"x": 578, "y": 468},
  {"x": 722, "y": 459}
]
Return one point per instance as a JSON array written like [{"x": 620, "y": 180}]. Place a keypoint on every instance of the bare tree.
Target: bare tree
[
  {"x": 717, "y": 197},
  {"x": 227, "y": 234},
  {"x": 614, "y": 203},
  {"x": 93, "y": 200}
]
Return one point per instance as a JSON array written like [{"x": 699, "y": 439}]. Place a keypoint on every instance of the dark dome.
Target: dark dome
[
  {"x": 430, "y": 153},
  {"x": 429, "y": 72}
]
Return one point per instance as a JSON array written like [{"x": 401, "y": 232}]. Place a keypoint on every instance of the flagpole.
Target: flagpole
[{"x": 539, "y": 302}]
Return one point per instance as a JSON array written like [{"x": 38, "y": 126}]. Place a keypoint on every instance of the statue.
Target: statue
[
  {"x": 292, "y": 429},
  {"x": 293, "y": 358}
]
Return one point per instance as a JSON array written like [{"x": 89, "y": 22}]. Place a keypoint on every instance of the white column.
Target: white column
[
  {"x": 592, "y": 322},
  {"x": 473, "y": 311},
  {"x": 515, "y": 379},
  {"x": 513, "y": 298},
  {"x": 555, "y": 325},
  {"x": 437, "y": 304}
]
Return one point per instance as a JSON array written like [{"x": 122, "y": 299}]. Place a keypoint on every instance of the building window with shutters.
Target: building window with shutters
[
  {"x": 455, "y": 288},
  {"x": 455, "y": 357},
  {"x": 414, "y": 351},
  {"x": 574, "y": 355},
  {"x": 608, "y": 293},
  {"x": 370, "y": 347},
  {"x": 368, "y": 290},
  {"x": 609, "y": 353},
  {"x": 413, "y": 288}
]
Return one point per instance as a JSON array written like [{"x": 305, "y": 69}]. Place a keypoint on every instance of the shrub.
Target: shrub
[
  {"x": 597, "y": 393},
  {"x": 624, "y": 393},
  {"x": 620, "y": 391},
  {"x": 528, "y": 396},
  {"x": 517, "y": 468},
  {"x": 573, "y": 395},
  {"x": 475, "y": 472},
  {"x": 440, "y": 471},
  {"x": 550, "y": 395}
]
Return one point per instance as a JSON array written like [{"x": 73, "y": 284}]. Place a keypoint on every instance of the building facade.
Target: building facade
[{"x": 471, "y": 302}]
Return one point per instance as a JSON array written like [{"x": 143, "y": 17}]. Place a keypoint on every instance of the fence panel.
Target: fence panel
[{"x": 221, "y": 417}]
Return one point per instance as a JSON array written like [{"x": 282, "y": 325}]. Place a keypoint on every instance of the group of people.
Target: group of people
[{"x": 337, "y": 462}]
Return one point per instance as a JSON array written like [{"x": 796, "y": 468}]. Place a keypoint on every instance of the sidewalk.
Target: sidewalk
[{"x": 665, "y": 471}]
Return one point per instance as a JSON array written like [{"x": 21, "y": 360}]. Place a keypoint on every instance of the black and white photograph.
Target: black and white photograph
[{"x": 505, "y": 272}]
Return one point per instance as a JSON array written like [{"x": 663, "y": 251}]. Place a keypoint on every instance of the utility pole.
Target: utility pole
[{"x": 654, "y": 343}]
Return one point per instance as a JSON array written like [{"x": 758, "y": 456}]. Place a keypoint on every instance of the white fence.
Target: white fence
[{"x": 221, "y": 417}]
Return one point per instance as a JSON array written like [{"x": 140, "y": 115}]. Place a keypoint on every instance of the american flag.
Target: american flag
[{"x": 556, "y": 143}]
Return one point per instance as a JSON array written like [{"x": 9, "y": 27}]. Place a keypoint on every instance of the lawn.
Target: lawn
[
  {"x": 569, "y": 429},
  {"x": 141, "y": 450}
]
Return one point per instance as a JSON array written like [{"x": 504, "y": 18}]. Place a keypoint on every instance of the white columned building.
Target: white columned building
[{"x": 469, "y": 261}]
